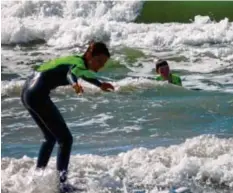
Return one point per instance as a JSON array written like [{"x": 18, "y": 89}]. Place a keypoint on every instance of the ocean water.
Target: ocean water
[{"x": 146, "y": 135}]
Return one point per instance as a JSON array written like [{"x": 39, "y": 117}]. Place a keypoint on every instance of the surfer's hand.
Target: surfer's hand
[
  {"x": 78, "y": 88},
  {"x": 107, "y": 87}
]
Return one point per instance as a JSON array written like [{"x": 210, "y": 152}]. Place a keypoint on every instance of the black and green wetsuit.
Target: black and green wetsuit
[
  {"x": 64, "y": 71},
  {"x": 175, "y": 79},
  {"x": 35, "y": 97}
]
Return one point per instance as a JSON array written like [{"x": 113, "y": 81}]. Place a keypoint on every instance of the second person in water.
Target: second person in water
[{"x": 162, "y": 68}]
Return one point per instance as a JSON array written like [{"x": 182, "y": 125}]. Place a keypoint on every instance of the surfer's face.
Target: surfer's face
[
  {"x": 164, "y": 71},
  {"x": 95, "y": 63}
]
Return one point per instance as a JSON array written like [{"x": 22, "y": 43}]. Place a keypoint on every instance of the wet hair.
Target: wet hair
[
  {"x": 160, "y": 63},
  {"x": 98, "y": 48}
]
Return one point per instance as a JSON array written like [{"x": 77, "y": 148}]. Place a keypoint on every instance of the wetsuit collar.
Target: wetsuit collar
[{"x": 85, "y": 62}]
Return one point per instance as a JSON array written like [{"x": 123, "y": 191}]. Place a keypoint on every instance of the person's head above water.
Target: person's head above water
[
  {"x": 96, "y": 55},
  {"x": 162, "y": 68}
]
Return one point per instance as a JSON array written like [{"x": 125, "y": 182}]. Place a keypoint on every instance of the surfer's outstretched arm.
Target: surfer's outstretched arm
[{"x": 94, "y": 59}]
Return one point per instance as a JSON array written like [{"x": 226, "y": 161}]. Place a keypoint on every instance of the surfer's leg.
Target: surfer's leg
[
  {"x": 31, "y": 103},
  {"x": 54, "y": 121},
  {"x": 48, "y": 144},
  {"x": 49, "y": 119}
]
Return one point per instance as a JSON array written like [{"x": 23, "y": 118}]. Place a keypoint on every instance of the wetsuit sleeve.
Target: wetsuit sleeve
[
  {"x": 89, "y": 77},
  {"x": 159, "y": 78},
  {"x": 72, "y": 79},
  {"x": 93, "y": 81},
  {"x": 179, "y": 82}
]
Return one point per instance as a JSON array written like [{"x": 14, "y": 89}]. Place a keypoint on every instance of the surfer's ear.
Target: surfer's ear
[
  {"x": 92, "y": 42},
  {"x": 89, "y": 51},
  {"x": 91, "y": 46}
]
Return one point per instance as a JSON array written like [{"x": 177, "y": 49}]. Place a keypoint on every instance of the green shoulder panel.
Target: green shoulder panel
[
  {"x": 79, "y": 69},
  {"x": 176, "y": 80},
  {"x": 68, "y": 60},
  {"x": 80, "y": 72},
  {"x": 159, "y": 78}
]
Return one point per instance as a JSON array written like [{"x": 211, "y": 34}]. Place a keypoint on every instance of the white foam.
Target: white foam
[
  {"x": 50, "y": 20},
  {"x": 202, "y": 19},
  {"x": 129, "y": 85},
  {"x": 13, "y": 88},
  {"x": 99, "y": 119},
  {"x": 64, "y": 24},
  {"x": 205, "y": 158},
  {"x": 127, "y": 129}
]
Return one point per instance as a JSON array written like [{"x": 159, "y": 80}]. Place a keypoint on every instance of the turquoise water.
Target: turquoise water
[{"x": 150, "y": 117}]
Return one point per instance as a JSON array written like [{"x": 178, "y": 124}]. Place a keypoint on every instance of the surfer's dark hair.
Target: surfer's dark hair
[
  {"x": 98, "y": 48},
  {"x": 160, "y": 63}
]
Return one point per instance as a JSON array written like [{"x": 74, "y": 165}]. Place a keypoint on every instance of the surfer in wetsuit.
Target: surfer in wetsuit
[
  {"x": 162, "y": 68},
  {"x": 35, "y": 97}
]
